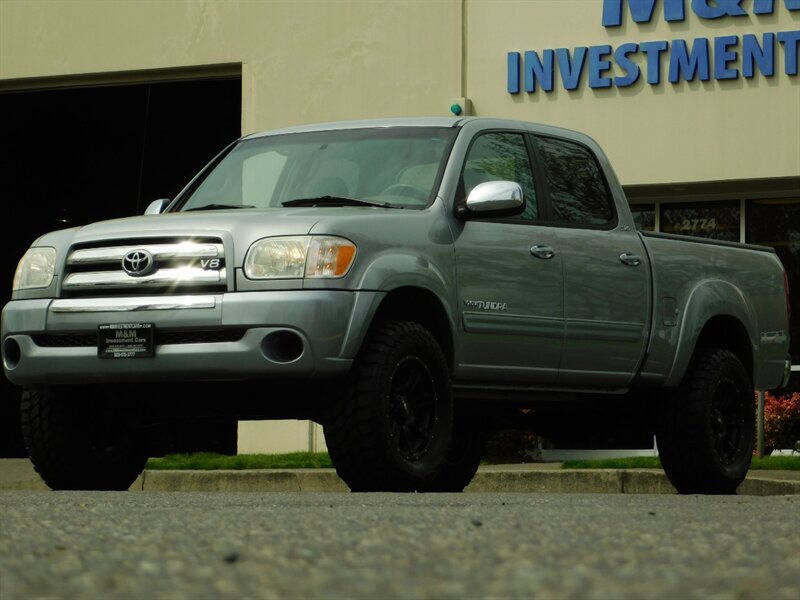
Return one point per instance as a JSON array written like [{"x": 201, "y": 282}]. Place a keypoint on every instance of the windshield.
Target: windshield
[{"x": 391, "y": 166}]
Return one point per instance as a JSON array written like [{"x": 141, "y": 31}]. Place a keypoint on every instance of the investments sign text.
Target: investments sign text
[{"x": 720, "y": 58}]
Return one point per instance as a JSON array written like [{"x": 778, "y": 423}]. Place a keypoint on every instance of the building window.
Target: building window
[
  {"x": 776, "y": 223},
  {"x": 712, "y": 220},
  {"x": 644, "y": 215}
]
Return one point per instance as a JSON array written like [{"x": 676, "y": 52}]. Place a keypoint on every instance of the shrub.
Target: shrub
[
  {"x": 512, "y": 445},
  {"x": 781, "y": 421}
]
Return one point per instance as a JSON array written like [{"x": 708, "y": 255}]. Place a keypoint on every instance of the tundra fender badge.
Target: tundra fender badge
[
  {"x": 486, "y": 305},
  {"x": 138, "y": 263}
]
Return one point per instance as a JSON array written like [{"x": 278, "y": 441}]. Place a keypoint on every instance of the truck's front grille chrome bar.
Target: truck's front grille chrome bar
[
  {"x": 158, "y": 251},
  {"x": 182, "y": 276},
  {"x": 90, "y": 305}
]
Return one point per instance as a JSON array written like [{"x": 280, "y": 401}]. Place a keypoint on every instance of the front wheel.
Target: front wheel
[
  {"x": 391, "y": 429},
  {"x": 465, "y": 454},
  {"x": 80, "y": 439},
  {"x": 707, "y": 429}
]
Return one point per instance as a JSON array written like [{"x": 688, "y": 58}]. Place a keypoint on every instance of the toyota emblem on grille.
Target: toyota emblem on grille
[{"x": 138, "y": 263}]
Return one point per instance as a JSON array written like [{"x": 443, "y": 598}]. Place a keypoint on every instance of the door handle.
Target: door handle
[
  {"x": 630, "y": 259},
  {"x": 542, "y": 251}
]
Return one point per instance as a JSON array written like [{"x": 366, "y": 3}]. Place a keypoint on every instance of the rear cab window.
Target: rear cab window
[{"x": 577, "y": 192}]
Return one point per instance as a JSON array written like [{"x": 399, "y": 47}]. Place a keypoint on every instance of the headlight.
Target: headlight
[
  {"x": 35, "y": 270},
  {"x": 299, "y": 256}
]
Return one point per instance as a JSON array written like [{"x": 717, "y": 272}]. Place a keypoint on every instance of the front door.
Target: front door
[{"x": 510, "y": 288}]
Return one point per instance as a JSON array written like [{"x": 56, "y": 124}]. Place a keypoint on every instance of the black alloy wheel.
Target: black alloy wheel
[
  {"x": 412, "y": 408},
  {"x": 727, "y": 421}
]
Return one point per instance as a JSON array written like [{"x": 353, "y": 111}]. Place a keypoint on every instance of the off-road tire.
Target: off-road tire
[
  {"x": 390, "y": 430},
  {"x": 706, "y": 429},
  {"x": 78, "y": 439},
  {"x": 466, "y": 451}
]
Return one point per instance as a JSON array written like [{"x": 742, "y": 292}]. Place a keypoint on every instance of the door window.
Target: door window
[
  {"x": 578, "y": 193},
  {"x": 500, "y": 156}
]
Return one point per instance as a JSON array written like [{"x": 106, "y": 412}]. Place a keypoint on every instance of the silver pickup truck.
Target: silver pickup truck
[{"x": 408, "y": 284}]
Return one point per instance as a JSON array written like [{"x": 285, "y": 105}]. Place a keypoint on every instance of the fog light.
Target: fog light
[
  {"x": 282, "y": 346},
  {"x": 11, "y": 353}
]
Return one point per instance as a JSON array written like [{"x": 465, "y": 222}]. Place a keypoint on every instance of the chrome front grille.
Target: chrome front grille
[{"x": 183, "y": 265}]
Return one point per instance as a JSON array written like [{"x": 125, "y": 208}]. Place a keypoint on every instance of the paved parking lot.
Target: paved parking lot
[{"x": 274, "y": 545}]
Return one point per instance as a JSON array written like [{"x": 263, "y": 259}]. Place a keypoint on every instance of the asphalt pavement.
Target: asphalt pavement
[
  {"x": 331, "y": 545},
  {"x": 18, "y": 474}
]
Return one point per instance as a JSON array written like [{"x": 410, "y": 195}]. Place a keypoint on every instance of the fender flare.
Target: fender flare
[
  {"x": 388, "y": 272},
  {"x": 708, "y": 299}
]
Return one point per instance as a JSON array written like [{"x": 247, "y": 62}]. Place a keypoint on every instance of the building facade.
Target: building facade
[{"x": 696, "y": 102}]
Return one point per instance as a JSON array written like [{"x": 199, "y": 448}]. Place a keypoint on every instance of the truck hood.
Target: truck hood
[
  {"x": 237, "y": 222},
  {"x": 237, "y": 228}
]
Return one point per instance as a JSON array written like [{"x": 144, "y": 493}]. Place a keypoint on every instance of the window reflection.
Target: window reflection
[
  {"x": 644, "y": 216},
  {"x": 501, "y": 157},
  {"x": 577, "y": 190}
]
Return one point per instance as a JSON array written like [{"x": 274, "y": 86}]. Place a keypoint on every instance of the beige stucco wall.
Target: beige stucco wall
[
  {"x": 303, "y": 61},
  {"x": 266, "y": 437},
  {"x": 317, "y": 60},
  {"x": 698, "y": 131}
]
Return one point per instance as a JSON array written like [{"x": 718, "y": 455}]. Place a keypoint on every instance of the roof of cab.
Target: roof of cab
[
  {"x": 485, "y": 122},
  {"x": 364, "y": 124}
]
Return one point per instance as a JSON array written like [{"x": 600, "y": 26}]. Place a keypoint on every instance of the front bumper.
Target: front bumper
[{"x": 319, "y": 327}]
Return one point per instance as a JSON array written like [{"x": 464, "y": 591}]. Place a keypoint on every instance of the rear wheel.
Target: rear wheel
[
  {"x": 391, "y": 429},
  {"x": 707, "y": 430},
  {"x": 80, "y": 439}
]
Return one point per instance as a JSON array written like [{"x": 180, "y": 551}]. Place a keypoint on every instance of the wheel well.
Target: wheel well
[
  {"x": 728, "y": 332},
  {"x": 424, "y": 307}
]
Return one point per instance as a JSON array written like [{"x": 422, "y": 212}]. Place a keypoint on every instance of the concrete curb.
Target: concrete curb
[
  {"x": 529, "y": 478},
  {"x": 588, "y": 481},
  {"x": 257, "y": 480}
]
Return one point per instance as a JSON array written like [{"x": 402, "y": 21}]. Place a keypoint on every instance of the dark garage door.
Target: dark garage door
[{"x": 72, "y": 156}]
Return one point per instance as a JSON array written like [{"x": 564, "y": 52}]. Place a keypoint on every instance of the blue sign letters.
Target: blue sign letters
[{"x": 724, "y": 57}]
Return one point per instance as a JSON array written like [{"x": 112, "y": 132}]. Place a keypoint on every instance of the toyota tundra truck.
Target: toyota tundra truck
[{"x": 408, "y": 284}]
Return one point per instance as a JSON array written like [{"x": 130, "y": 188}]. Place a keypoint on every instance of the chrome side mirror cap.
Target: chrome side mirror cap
[
  {"x": 157, "y": 206},
  {"x": 495, "y": 198}
]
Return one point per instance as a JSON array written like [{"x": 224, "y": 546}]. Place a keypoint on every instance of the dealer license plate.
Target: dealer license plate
[{"x": 125, "y": 340}]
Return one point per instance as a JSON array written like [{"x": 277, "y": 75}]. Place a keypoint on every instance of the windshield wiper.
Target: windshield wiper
[
  {"x": 337, "y": 201},
  {"x": 218, "y": 207}
]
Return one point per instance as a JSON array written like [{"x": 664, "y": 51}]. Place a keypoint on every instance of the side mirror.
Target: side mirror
[
  {"x": 156, "y": 206},
  {"x": 494, "y": 199}
]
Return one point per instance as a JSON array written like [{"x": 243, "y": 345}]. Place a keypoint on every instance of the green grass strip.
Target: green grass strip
[
  {"x": 211, "y": 461},
  {"x": 784, "y": 463},
  {"x": 307, "y": 460}
]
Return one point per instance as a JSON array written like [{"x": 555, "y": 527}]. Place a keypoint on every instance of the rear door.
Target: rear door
[{"x": 606, "y": 273}]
